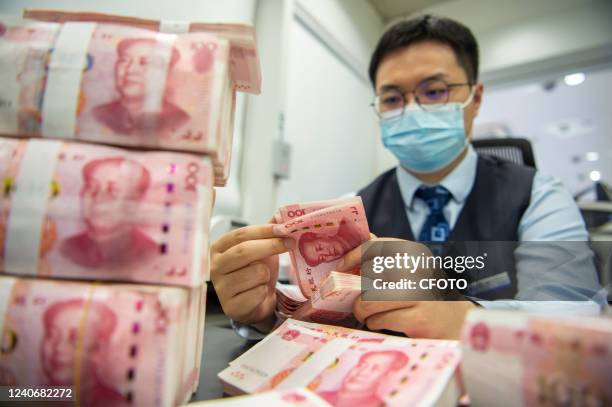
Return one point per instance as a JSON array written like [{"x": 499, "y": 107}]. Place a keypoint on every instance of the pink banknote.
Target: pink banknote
[
  {"x": 119, "y": 85},
  {"x": 245, "y": 70},
  {"x": 333, "y": 303},
  {"x": 324, "y": 232},
  {"x": 73, "y": 210},
  {"x": 350, "y": 368},
  {"x": 539, "y": 360},
  {"x": 289, "y": 299},
  {"x": 291, "y": 344},
  {"x": 116, "y": 345}
]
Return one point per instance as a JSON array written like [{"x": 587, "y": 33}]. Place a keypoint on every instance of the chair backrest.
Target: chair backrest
[{"x": 516, "y": 150}]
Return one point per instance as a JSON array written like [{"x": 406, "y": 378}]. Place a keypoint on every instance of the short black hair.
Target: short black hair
[{"x": 429, "y": 27}]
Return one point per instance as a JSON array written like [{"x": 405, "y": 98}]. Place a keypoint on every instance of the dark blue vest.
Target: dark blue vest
[{"x": 492, "y": 212}]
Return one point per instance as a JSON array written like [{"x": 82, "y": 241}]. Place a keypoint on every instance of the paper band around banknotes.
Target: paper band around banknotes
[
  {"x": 156, "y": 78},
  {"x": 64, "y": 79},
  {"x": 81, "y": 342},
  {"x": 25, "y": 225}
]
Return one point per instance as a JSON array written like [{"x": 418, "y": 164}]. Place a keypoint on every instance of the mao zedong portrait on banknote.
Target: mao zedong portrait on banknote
[
  {"x": 112, "y": 190},
  {"x": 317, "y": 248},
  {"x": 128, "y": 113},
  {"x": 58, "y": 348},
  {"x": 359, "y": 387}
]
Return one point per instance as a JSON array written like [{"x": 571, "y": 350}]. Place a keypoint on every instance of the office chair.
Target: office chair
[{"x": 516, "y": 150}]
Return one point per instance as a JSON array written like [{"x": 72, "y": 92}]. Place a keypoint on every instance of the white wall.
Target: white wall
[
  {"x": 352, "y": 28},
  {"x": 261, "y": 128},
  {"x": 563, "y": 124},
  {"x": 570, "y": 39},
  {"x": 354, "y": 24},
  {"x": 329, "y": 124},
  {"x": 526, "y": 39}
]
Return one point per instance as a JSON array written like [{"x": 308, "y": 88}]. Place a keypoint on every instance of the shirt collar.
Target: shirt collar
[{"x": 459, "y": 182}]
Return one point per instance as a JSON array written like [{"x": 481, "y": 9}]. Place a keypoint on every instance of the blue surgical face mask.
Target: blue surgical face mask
[{"x": 425, "y": 141}]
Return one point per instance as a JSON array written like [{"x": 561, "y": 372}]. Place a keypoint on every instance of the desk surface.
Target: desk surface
[{"x": 221, "y": 346}]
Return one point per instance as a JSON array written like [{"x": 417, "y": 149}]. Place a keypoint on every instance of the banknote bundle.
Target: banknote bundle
[
  {"x": 73, "y": 210},
  {"x": 323, "y": 233},
  {"x": 244, "y": 69},
  {"x": 519, "y": 359},
  {"x": 110, "y": 342},
  {"x": 120, "y": 84},
  {"x": 113, "y": 133},
  {"x": 348, "y": 367}
]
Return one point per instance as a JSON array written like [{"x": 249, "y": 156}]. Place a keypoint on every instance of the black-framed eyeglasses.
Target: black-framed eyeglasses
[{"x": 431, "y": 94}]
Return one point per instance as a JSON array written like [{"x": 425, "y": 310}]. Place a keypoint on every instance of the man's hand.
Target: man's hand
[
  {"x": 416, "y": 319},
  {"x": 244, "y": 270}
]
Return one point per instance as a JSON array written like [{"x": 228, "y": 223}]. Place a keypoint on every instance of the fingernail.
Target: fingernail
[{"x": 289, "y": 243}]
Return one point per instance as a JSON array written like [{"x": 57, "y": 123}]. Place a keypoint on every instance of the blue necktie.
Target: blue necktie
[{"x": 435, "y": 228}]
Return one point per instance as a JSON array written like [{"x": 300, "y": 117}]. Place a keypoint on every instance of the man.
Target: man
[
  {"x": 112, "y": 192},
  {"x": 360, "y": 385},
  {"x": 128, "y": 115},
  {"x": 66, "y": 344},
  {"x": 425, "y": 76}
]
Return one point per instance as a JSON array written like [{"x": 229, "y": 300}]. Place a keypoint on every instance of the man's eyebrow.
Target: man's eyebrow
[
  {"x": 386, "y": 88},
  {"x": 437, "y": 76}
]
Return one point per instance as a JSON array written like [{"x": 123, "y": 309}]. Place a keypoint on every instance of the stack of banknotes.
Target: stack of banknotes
[
  {"x": 115, "y": 80},
  {"x": 347, "y": 367},
  {"x": 518, "y": 359},
  {"x": 126, "y": 344},
  {"x": 113, "y": 133},
  {"x": 323, "y": 233}
]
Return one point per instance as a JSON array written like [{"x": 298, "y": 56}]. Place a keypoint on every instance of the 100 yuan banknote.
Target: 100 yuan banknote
[{"x": 323, "y": 235}]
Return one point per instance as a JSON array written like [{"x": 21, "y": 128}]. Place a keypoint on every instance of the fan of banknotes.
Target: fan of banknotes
[
  {"x": 113, "y": 132},
  {"x": 323, "y": 233}
]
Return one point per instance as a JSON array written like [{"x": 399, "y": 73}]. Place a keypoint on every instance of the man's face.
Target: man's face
[
  {"x": 59, "y": 345},
  {"x": 130, "y": 70},
  {"x": 322, "y": 249},
  {"x": 108, "y": 199},
  {"x": 368, "y": 373},
  {"x": 408, "y": 67}
]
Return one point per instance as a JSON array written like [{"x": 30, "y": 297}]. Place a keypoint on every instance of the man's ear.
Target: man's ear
[{"x": 478, "y": 92}]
